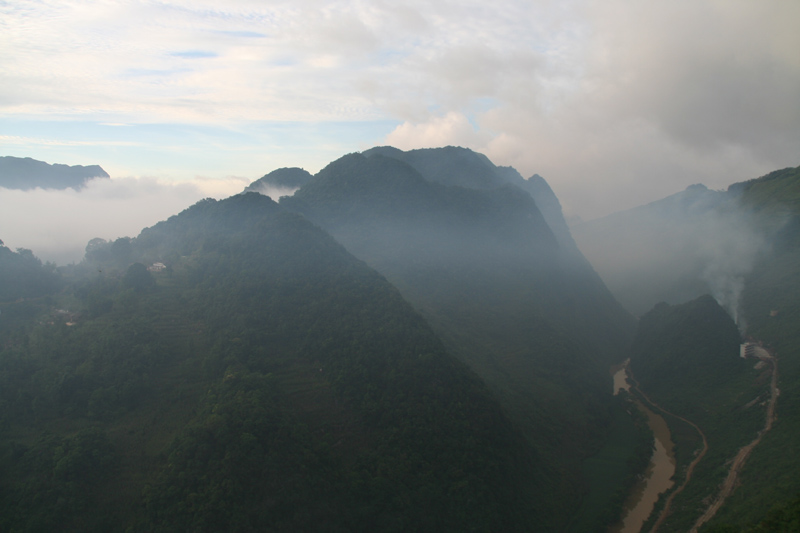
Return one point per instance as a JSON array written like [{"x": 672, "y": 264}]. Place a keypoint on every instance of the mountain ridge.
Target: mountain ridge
[
  {"x": 264, "y": 380},
  {"x": 27, "y": 173},
  {"x": 486, "y": 270}
]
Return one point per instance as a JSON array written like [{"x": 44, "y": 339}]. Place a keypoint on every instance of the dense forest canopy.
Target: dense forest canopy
[
  {"x": 266, "y": 379},
  {"x": 508, "y": 297},
  {"x": 743, "y": 246},
  {"x": 410, "y": 342}
]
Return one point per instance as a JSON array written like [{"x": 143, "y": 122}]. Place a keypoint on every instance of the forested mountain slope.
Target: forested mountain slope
[
  {"x": 685, "y": 357},
  {"x": 694, "y": 242},
  {"x": 482, "y": 264},
  {"x": 771, "y": 308},
  {"x": 461, "y": 167},
  {"x": 282, "y": 179},
  {"x": 264, "y": 380},
  {"x": 24, "y": 275},
  {"x": 687, "y": 361}
]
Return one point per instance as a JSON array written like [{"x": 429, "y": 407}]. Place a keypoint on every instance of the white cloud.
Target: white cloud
[
  {"x": 630, "y": 102},
  {"x": 613, "y": 101},
  {"x": 451, "y": 129},
  {"x": 34, "y": 141},
  {"x": 57, "y": 224}
]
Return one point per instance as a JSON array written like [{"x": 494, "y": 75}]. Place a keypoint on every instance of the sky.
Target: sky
[{"x": 616, "y": 103}]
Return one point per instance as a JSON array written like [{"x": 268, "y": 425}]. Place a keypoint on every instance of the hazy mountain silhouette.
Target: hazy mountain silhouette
[
  {"x": 259, "y": 377},
  {"x": 515, "y": 302},
  {"x": 26, "y": 173},
  {"x": 672, "y": 250},
  {"x": 287, "y": 179}
]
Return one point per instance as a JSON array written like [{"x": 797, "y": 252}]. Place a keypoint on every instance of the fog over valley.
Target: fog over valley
[
  {"x": 57, "y": 224},
  {"x": 429, "y": 266},
  {"x": 690, "y": 243}
]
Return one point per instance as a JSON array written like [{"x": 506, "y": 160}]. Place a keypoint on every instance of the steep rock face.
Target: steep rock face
[
  {"x": 265, "y": 380},
  {"x": 487, "y": 271},
  {"x": 26, "y": 173}
]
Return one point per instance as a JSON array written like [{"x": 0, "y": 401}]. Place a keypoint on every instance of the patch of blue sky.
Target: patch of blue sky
[
  {"x": 63, "y": 131},
  {"x": 183, "y": 151},
  {"x": 483, "y": 104},
  {"x": 194, "y": 54}
]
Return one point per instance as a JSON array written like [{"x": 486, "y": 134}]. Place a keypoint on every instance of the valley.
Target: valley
[
  {"x": 410, "y": 341},
  {"x": 657, "y": 479}
]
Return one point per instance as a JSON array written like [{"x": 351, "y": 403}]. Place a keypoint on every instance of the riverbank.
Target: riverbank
[
  {"x": 657, "y": 479},
  {"x": 706, "y": 457},
  {"x": 616, "y": 468}
]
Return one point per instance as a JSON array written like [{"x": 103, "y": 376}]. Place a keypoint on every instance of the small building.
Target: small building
[{"x": 156, "y": 267}]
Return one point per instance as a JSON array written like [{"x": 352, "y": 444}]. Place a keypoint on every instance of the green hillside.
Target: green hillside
[
  {"x": 24, "y": 275},
  {"x": 686, "y": 360},
  {"x": 775, "y": 193},
  {"x": 282, "y": 178},
  {"x": 771, "y": 303},
  {"x": 507, "y": 298},
  {"x": 265, "y": 380}
]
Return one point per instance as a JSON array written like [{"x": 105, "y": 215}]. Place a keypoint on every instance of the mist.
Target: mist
[
  {"x": 57, "y": 224},
  {"x": 692, "y": 243},
  {"x": 275, "y": 192}
]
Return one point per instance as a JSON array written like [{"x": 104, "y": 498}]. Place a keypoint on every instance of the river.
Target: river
[{"x": 658, "y": 476}]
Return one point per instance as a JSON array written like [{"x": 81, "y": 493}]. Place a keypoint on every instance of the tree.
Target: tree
[{"x": 138, "y": 278}]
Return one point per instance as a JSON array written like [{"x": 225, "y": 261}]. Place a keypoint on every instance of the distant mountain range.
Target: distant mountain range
[
  {"x": 412, "y": 341},
  {"x": 673, "y": 250},
  {"x": 25, "y": 173},
  {"x": 408, "y": 343}
]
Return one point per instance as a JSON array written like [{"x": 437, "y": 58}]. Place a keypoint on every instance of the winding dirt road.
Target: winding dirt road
[
  {"x": 738, "y": 462},
  {"x": 689, "y": 470}
]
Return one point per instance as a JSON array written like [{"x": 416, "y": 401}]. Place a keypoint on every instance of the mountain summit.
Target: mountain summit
[{"x": 510, "y": 295}]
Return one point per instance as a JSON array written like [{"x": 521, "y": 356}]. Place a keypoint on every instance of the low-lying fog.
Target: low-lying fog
[{"x": 57, "y": 224}]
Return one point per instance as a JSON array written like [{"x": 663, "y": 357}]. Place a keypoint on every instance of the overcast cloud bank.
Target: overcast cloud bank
[{"x": 616, "y": 103}]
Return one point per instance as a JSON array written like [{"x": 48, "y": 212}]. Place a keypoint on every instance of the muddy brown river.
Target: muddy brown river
[{"x": 658, "y": 477}]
